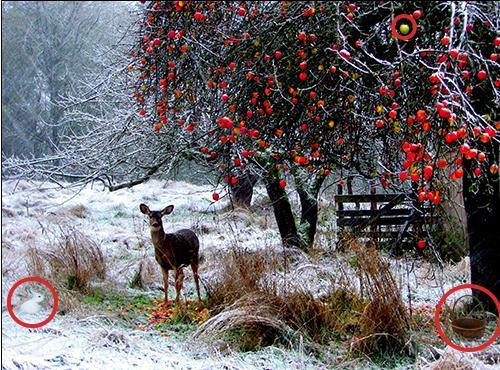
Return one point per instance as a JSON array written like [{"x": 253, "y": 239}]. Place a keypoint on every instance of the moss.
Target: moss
[{"x": 114, "y": 299}]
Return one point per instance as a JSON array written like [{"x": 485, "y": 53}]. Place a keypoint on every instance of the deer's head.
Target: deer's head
[{"x": 155, "y": 216}]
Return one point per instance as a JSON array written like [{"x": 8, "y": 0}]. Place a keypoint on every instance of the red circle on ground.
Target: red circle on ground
[
  {"x": 34, "y": 279},
  {"x": 413, "y": 22},
  {"x": 438, "y": 313}
]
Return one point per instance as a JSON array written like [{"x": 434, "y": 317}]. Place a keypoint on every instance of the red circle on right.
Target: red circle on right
[
  {"x": 437, "y": 315},
  {"x": 413, "y": 22}
]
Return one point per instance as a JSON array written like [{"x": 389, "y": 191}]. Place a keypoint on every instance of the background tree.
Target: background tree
[{"x": 51, "y": 44}]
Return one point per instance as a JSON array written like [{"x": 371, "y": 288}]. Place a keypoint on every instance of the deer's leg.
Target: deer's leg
[
  {"x": 194, "y": 267},
  {"x": 165, "y": 284},
  {"x": 179, "y": 278}
]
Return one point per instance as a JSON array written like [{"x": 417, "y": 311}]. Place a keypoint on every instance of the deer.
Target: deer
[{"x": 173, "y": 251}]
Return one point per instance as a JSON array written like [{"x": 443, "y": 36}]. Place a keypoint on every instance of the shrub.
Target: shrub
[
  {"x": 252, "y": 307},
  {"x": 384, "y": 323},
  {"x": 73, "y": 261}
]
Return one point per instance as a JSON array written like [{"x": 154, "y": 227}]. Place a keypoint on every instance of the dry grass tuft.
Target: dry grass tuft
[
  {"x": 146, "y": 274},
  {"x": 77, "y": 259},
  {"x": 254, "y": 306},
  {"x": 111, "y": 338},
  {"x": 251, "y": 322},
  {"x": 79, "y": 211},
  {"x": 241, "y": 272},
  {"x": 36, "y": 262},
  {"x": 384, "y": 323},
  {"x": 73, "y": 261}
]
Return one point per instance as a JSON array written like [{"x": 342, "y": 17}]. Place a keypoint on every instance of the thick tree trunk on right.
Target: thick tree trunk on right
[
  {"x": 482, "y": 202},
  {"x": 482, "y": 207}
]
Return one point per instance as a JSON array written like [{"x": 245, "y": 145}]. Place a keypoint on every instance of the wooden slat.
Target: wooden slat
[
  {"x": 373, "y": 212},
  {"x": 380, "y": 234},
  {"x": 424, "y": 212},
  {"x": 367, "y": 198},
  {"x": 357, "y": 222},
  {"x": 382, "y": 212}
]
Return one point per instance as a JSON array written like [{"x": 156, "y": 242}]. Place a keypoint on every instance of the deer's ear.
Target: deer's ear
[
  {"x": 144, "y": 209},
  {"x": 167, "y": 210}
]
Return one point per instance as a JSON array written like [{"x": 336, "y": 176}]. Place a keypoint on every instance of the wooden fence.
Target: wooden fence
[{"x": 382, "y": 217}]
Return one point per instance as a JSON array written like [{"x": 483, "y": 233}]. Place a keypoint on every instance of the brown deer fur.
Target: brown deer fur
[{"x": 173, "y": 251}]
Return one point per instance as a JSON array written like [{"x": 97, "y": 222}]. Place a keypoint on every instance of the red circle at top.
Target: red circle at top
[
  {"x": 408, "y": 17},
  {"x": 32, "y": 279}
]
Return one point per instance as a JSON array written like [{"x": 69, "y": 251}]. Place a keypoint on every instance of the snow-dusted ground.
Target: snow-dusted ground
[
  {"x": 114, "y": 220},
  {"x": 89, "y": 344},
  {"x": 29, "y": 214}
]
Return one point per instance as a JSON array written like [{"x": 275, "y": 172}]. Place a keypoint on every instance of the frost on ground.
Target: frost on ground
[
  {"x": 31, "y": 213},
  {"x": 91, "y": 344},
  {"x": 114, "y": 219}
]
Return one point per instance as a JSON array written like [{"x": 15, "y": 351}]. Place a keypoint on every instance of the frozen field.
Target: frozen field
[{"x": 94, "y": 340}]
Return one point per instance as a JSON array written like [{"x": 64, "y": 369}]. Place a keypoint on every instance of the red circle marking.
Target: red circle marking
[
  {"x": 438, "y": 313},
  {"x": 413, "y": 22},
  {"x": 34, "y": 279}
]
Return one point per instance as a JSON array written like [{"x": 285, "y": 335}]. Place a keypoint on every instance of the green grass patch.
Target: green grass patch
[
  {"x": 391, "y": 360},
  {"x": 148, "y": 313}
]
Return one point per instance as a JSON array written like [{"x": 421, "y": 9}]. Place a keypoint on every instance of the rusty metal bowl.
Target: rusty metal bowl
[{"x": 469, "y": 327}]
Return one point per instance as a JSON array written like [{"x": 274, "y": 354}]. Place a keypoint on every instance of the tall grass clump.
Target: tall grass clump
[
  {"x": 253, "y": 303},
  {"x": 384, "y": 323},
  {"x": 72, "y": 261}
]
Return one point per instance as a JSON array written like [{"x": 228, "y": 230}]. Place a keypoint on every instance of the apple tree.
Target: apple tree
[
  {"x": 309, "y": 88},
  {"x": 264, "y": 88}
]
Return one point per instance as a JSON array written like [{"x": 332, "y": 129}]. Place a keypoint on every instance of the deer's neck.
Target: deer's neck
[{"x": 158, "y": 236}]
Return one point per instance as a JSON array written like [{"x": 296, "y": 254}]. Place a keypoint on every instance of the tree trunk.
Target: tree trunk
[
  {"x": 242, "y": 191},
  {"x": 309, "y": 217},
  {"x": 482, "y": 202},
  {"x": 282, "y": 212},
  {"x": 309, "y": 209}
]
